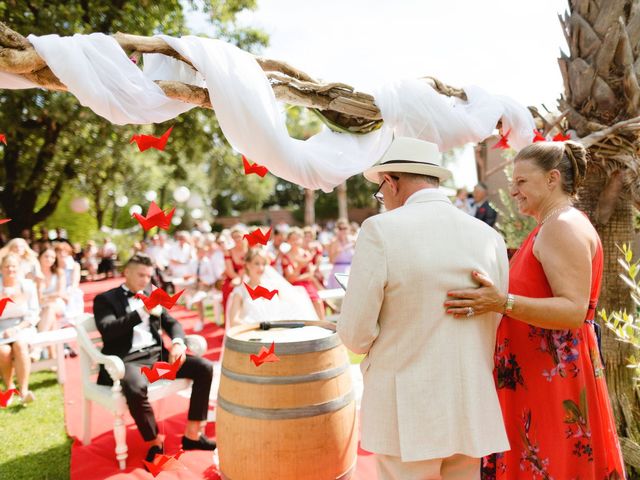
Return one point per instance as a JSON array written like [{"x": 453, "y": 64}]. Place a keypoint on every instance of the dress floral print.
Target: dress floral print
[{"x": 552, "y": 391}]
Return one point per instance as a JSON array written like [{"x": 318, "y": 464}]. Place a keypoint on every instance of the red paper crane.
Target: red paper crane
[
  {"x": 265, "y": 356},
  {"x": 560, "y": 137},
  {"x": 161, "y": 371},
  {"x": 6, "y": 396},
  {"x": 159, "y": 297},
  {"x": 3, "y": 138},
  {"x": 257, "y": 236},
  {"x": 4, "y": 220},
  {"x": 503, "y": 143},
  {"x": 538, "y": 137},
  {"x": 149, "y": 141},
  {"x": 255, "y": 168},
  {"x": 155, "y": 218},
  {"x": 260, "y": 292},
  {"x": 3, "y": 303},
  {"x": 164, "y": 463}
]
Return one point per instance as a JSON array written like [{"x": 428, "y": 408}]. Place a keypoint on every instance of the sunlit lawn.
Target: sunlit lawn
[{"x": 33, "y": 438}]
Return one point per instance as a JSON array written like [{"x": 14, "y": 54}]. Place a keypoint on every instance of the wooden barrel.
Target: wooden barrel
[{"x": 294, "y": 419}]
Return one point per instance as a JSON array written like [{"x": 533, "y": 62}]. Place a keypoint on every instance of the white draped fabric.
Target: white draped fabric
[{"x": 103, "y": 78}]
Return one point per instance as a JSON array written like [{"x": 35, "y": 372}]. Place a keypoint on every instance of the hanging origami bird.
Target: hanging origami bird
[
  {"x": 149, "y": 141},
  {"x": 255, "y": 168},
  {"x": 503, "y": 143}
]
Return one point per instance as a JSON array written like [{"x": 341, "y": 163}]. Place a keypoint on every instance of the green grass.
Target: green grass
[{"x": 34, "y": 442}]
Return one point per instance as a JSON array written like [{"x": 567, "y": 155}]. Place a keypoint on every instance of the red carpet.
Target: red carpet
[{"x": 97, "y": 461}]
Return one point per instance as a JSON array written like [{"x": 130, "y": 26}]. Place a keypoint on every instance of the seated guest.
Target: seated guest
[
  {"x": 17, "y": 325},
  {"x": 276, "y": 246},
  {"x": 132, "y": 333},
  {"x": 299, "y": 270},
  {"x": 290, "y": 303},
  {"x": 29, "y": 266},
  {"x": 89, "y": 260},
  {"x": 52, "y": 295},
  {"x": 74, "y": 301},
  {"x": 202, "y": 272},
  {"x": 341, "y": 251},
  {"x": 316, "y": 249},
  {"x": 180, "y": 255},
  {"x": 234, "y": 264},
  {"x": 71, "y": 268},
  {"x": 108, "y": 256}
]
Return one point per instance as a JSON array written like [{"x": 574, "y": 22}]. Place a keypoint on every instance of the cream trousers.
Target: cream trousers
[{"x": 456, "y": 467}]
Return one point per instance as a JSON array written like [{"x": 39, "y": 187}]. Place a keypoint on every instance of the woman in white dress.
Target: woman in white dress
[
  {"x": 74, "y": 296},
  {"x": 17, "y": 325},
  {"x": 290, "y": 303},
  {"x": 52, "y": 295}
]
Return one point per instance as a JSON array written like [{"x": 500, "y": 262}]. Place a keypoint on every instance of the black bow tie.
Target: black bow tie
[{"x": 128, "y": 293}]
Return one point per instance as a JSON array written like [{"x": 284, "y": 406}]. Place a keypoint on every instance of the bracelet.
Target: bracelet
[{"x": 508, "y": 304}]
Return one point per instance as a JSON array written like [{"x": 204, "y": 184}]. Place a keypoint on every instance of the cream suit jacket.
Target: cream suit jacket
[{"x": 428, "y": 377}]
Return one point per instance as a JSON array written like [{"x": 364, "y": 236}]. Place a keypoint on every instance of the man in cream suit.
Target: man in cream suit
[{"x": 430, "y": 408}]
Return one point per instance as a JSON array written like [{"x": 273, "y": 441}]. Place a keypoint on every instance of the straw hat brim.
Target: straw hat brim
[{"x": 407, "y": 166}]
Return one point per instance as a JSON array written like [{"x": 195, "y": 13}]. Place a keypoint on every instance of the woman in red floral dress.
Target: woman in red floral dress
[
  {"x": 548, "y": 371},
  {"x": 299, "y": 269},
  {"x": 234, "y": 265}
]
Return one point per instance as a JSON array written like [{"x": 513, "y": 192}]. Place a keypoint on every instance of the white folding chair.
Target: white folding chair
[{"x": 112, "y": 398}]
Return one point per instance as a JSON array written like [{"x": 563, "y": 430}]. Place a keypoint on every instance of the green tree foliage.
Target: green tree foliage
[
  {"x": 54, "y": 142},
  {"x": 626, "y": 325},
  {"x": 513, "y": 226},
  {"x": 227, "y": 187}
]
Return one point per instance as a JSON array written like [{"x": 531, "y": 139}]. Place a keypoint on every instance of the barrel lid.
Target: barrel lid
[{"x": 313, "y": 336}]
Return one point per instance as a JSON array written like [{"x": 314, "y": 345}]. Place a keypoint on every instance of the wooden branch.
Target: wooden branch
[
  {"x": 343, "y": 107},
  {"x": 12, "y": 39},
  {"x": 632, "y": 123},
  {"x": 356, "y": 111}
]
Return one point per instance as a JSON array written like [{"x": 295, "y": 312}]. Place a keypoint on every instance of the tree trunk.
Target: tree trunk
[
  {"x": 309, "y": 207},
  {"x": 100, "y": 208},
  {"x": 614, "y": 296},
  {"x": 343, "y": 210}
]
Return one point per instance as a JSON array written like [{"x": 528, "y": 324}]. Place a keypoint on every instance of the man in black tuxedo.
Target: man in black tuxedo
[
  {"x": 133, "y": 333},
  {"x": 484, "y": 211}
]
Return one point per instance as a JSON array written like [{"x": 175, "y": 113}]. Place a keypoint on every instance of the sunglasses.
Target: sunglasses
[{"x": 379, "y": 196}]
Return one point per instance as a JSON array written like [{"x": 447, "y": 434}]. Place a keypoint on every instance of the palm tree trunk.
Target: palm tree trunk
[{"x": 615, "y": 296}]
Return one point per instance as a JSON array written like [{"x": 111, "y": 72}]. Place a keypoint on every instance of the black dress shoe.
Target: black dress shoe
[
  {"x": 203, "y": 443},
  {"x": 151, "y": 454}
]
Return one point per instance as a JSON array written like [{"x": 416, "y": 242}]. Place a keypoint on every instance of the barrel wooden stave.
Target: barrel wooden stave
[
  {"x": 304, "y": 447},
  {"x": 273, "y": 431},
  {"x": 285, "y": 396}
]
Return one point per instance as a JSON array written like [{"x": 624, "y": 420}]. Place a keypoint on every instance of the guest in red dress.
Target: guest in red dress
[
  {"x": 234, "y": 264},
  {"x": 299, "y": 269},
  {"x": 314, "y": 247},
  {"x": 548, "y": 371}
]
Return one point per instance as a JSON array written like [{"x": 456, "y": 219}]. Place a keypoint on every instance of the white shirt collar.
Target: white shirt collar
[{"x": 427, "y": 195}]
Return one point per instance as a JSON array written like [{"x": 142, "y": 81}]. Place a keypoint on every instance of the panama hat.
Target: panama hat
[{"x": 410, "y": 155}]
